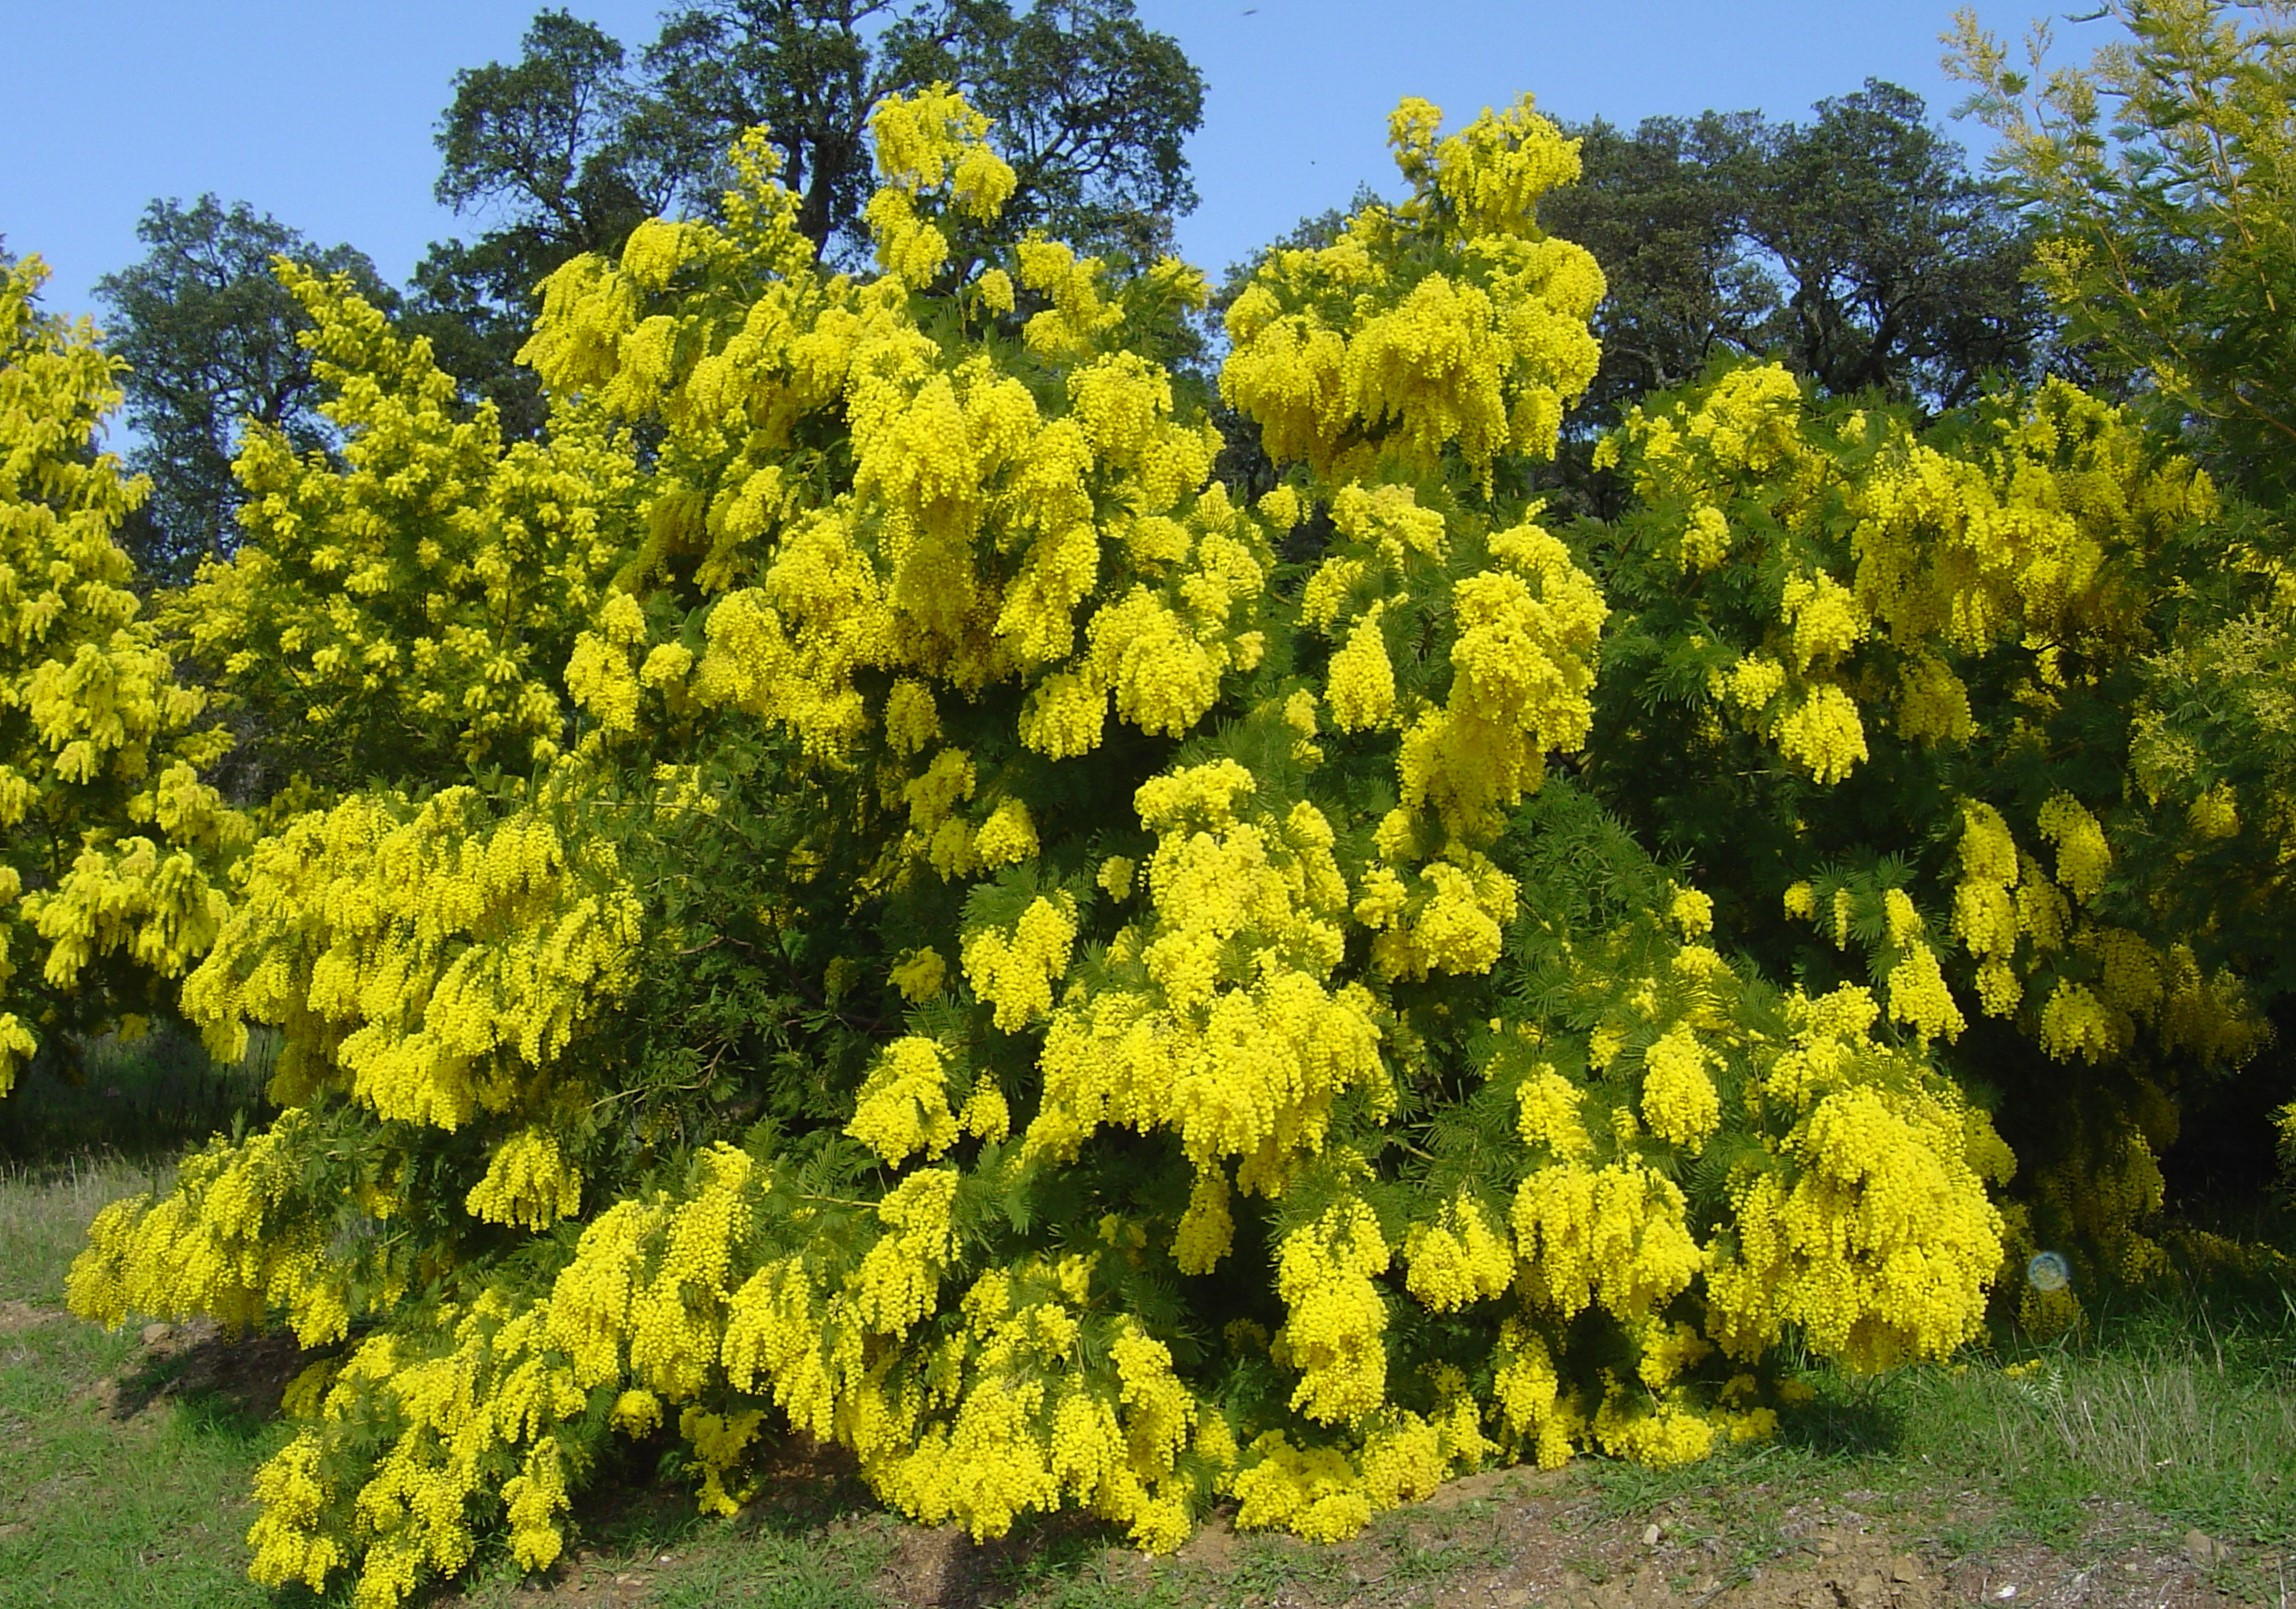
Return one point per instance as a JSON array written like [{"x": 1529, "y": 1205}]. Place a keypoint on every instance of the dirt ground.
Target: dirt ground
[
  {"x": 1533, "y": 1541},
  {"x": 176, "y": 1361}
]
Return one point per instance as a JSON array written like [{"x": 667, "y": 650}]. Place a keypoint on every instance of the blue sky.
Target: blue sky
[{"x": 321, "y": 111}]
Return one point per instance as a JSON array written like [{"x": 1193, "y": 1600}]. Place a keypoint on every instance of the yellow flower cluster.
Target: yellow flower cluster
[
  {"x": 1678, "y": 1097},
  {"x": 1932, "y": 703},
  {"x": 1999, "y": 548},
  {"x": 1549, "y": 1114},
  {"x": 2076, "y": 1025},
  {"x": 1823, "y": 733},
  {"x": 1207, "y": 1229},
  {"x": 1880, "y": 1242},
  {"x": 1023, "y": 1437},
  {"x": 1825, "y": 619},
  {"x": 528, "y": 1182},
  {"x": 1918, "y": 996},
  {"x": 131, "y": 897},
  {"x": 1535, "y": 1413},
  {"x": 1667, "y": 1431},
  {"x": 1327, "y": 1493},
  {"x": 919, "y": 975},
  {"x": 488, "y": 1394},
  {"x": 425, "y": 959},
  {"x": 968, "y": 549},
  {"x": 1991, "y": 547},
  {"x": 1521, "y": 663},
  {"x": 1362, "y": 681},
  {"x": 1014, "y": 971},
  {"x": 1705, "y": 538},
  {"x": 916, "y": 692},
  {"x": 1337, "y": 355},
  {"x": 289, "y": 1538},
  {"x": 416, "y": 603},
  {"x": 1451, "y": 917},
  {"x": 2102, "y": 1191},
  {"x": 1000, "y": 1417},
  {"x": 926, "y": 142},
  {"x": 1749, "y": 423},
  {"x": 1219, "y": 1023},
  {"x": 236, "y": 1239},
  {"x": 110, "y": 844},
  {"x": 1618, "y": 1235},
  {"x": 1522, "y": 670},
  {"x": 2019, "y": 924},
  {"x": 2014, "y": 557},
  {"x": 1459, "y": 1257},
  {"x": 2083, "y": 856},
  {"x": 1985, "y": 907},
  {"x": 1334, "y": 1317},
  {"x": 903, "y": 1107}
]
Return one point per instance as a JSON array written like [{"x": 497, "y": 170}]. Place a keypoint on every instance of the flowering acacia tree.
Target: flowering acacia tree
[
  {"x": 2160, "y": 177},
  {"x": 960, "y": 938},
  {"x": 111, "y": 846},
  {"x": 1896, "y": 687}
]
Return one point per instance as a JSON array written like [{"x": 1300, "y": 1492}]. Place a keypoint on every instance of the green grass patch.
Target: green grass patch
[
  {"x": 45, "y": 1209},
  {"x": 125, "y": 1482},
  {"x": 2171, "y": 1412},
  {"x": 148, "y": 1509}
]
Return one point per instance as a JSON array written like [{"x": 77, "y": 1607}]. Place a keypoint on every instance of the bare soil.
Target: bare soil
[
  {"x": 176, "y": 1362},
  {"x": 17, "y": 1316}
]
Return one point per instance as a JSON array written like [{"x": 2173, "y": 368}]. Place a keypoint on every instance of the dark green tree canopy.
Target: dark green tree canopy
[
  {"x": 1093, "y": 109},
  {"x": 1091, "y": 106},
  {"x": 563, "y": 153},
  {"x": 1908, "y": 272},
  {"x": 550, "y": 137},
  {"x": 1665, "y": 211},
  {"x": 209, "y": 339},
  {"x": 1858, "y": 247}
]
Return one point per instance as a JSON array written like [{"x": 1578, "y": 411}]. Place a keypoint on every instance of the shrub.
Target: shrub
[{"x": 854, "y": 886}]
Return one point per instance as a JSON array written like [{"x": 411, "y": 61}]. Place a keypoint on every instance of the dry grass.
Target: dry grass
[{"x": 45, "y": 1209}]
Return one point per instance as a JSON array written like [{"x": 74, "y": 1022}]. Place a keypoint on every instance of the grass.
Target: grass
[
  {"x": 125, "y": 1466},
  {"x": 2199, "y": 1434},
  {"x": 97, "y": 1509},
  {"x": 44, "y": 1214},
  {"x": 101, "y": 1504},
  {"x": 2171, "y": 1414}
]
